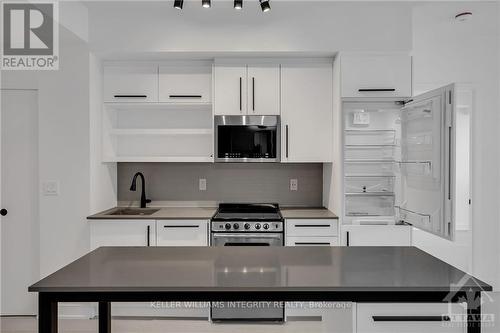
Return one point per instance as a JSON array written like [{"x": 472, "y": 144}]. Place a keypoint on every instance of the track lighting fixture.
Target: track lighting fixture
[
  {"x": 178, "y": 4},
  {"x": 238, "y": 4},
  {"x": 264, "y": 4},
  {"x": 206, "y": 3}
]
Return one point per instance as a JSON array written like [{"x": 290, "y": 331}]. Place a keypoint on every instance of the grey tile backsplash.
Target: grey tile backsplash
[{"x": 226, "y": 182}]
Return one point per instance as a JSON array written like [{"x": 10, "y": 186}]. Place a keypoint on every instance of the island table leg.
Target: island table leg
[
  {"x": 47, "y": 314},
  {"x": 474, "y": 313},
  {"x": 104, "y": 317}
]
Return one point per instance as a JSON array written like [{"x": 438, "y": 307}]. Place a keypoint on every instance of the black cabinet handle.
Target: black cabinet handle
[
  {"x": 253, "y": 94},
  {"x": 286, "y": 138},
  {"x": 184, "y": 96},
  {"x": 180, "y": 226},
  {"x": 347, "y": 238},
  {"x": 313, "y": 225},
  {"x": 130, "y": 96},
  {"x": 148, "y": 229},
  {"x": 377, "y": 90},
  {"x": 311, "y": 243},
  {"x": 411, "y": 318},
  {"x": 241, "y": 92},
  {"x": 3, "y": 211}
]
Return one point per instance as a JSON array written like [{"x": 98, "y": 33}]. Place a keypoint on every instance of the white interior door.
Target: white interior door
[
  {"x": 427, "y": 162},
  {"x": 19, "y": 196}
]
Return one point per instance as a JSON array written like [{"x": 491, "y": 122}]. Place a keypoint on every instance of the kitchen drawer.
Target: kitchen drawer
[
  {"x": 376, "y": 235},
  {"x": 408, "y": 318},
  {"x": 131, "y": 83},
  {"x": 182, "y": 233},
  {"x": 369, "y": 204},
  {"x": 374, "y": 76},
  {"x": 311, "y": 241},
  {"x": 369, "y": 184},
  {"x": 185, "y": 84},
  {"x": 311, "y": 227}
]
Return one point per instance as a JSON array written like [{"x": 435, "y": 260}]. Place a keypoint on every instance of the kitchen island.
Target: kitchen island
[{"x": 330, "y": 274}]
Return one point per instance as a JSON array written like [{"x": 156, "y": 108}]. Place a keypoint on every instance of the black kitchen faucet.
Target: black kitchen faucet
[{"x": 133, "y": 187}]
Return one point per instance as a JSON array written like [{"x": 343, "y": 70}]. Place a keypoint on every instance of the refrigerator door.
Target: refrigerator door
[{"x": 427, "y": 175}]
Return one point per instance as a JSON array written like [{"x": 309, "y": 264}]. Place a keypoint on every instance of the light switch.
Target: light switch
[
  {"x": 294, "y": 184},
  {"x": 203, "y": 184},
  {"x": 50, "y": 187}
]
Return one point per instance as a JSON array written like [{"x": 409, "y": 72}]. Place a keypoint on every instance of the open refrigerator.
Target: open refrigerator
[{"x": 399, "y": 161}]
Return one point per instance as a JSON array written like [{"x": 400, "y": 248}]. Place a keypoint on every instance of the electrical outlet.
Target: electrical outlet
[
  {"x": 203, "y": 184},
  {"x": 50, "y": 187},
  {"x": 294, "y": 184}
]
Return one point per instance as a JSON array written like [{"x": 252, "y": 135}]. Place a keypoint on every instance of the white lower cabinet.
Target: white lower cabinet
[
  {"x": 182, "y": 233},
  {"x": 122, "y": 233},
  {"x": 376, "y": 235},
  {"x": 152, "y": 233},
  {"x": 312, "y": 232},
  {"x": 409, "y": 318}
]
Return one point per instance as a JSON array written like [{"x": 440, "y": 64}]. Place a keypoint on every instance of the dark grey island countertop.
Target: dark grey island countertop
[{"x": 258, "y": 269}]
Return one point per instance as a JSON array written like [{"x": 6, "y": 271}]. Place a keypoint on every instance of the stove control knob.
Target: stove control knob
[
  {"x": 247, "y": 226},
  {"x": 228, "y": 226},
  {"x": 266, "y": 226},
  {"x": 257, "y": 226},
  {"x": 236, "y": 226}
]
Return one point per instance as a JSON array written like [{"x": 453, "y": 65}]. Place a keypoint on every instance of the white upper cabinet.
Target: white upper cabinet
[
  {"x": 230, "y": 89},
  {"x": 131, "y": 83},
  {"x": 307, "y": 112},
  {"x": 242, "y": 89},
  {"x": 185, "y": 83},
  {"x": 376, "y": 75},
  {"x": 264, "y": 90}
]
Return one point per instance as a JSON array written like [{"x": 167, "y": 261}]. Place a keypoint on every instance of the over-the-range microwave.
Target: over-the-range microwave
[{"x": 247, "y": 138}]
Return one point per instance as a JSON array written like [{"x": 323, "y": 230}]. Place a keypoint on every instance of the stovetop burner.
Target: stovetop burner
[{"x": 248, "y": 212}]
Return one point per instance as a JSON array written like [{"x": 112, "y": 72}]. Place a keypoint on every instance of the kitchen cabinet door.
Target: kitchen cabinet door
[
  {"x": 130, "y": 83},
  {"x": 376, "y": 235},
  {"x": 376, "y": 75},
  {"x": 307, "y": 112},
  {"x": 185, "y": 83},
  {"x": 263, "y": 90},
  {"x": 122, "y": 233},
  {"x": 182, "y": 233},
  {"x": 230, "y": 89}
]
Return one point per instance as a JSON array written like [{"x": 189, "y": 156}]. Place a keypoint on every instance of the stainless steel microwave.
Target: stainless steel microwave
[{"x": 247, "y": 138}]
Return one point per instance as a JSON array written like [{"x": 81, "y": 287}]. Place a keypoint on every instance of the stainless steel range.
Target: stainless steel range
[{"x": 248, "y": 225}]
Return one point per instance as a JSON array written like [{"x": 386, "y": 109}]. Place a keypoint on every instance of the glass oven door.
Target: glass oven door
[{"x": 247, "y": 239}]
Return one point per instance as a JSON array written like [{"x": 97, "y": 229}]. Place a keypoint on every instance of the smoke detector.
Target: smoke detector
[{"x": 463, "y": 16}]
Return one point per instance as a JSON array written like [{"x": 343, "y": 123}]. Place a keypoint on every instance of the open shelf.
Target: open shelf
[
  {"x": 174, "y": 159},
  {"x": 158, "y": 106},
  {"x": 173, "y": 131}
]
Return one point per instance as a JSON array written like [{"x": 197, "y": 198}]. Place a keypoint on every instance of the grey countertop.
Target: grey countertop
[
  {"x": 164, "y": 213},
  {"x": 258, "y": 269},
  {"x": 307, "y": 213},
  {"x": 188, "y": 213}
]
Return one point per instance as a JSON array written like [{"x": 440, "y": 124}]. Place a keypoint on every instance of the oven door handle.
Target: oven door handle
[{"x": 267, "y": 236}]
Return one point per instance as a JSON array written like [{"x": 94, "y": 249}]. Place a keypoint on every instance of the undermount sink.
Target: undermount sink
[{"x": 133, "y": 211}]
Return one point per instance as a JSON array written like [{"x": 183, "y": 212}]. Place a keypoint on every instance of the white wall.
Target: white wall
[
  {"x": 445, "y": 51},
  {"x": 315, "y": 26}
]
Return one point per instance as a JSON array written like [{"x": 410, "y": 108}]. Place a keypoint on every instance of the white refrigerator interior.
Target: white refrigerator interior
[{"x": 398, "y": 162}]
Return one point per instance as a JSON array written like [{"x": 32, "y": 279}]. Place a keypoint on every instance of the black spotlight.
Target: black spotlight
[
  {"x": 178, "y": 4},
  {"x": 238, "y": 4},
  {"x": 206, "y": 3},
  {"x": 264, "y": 4}
]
